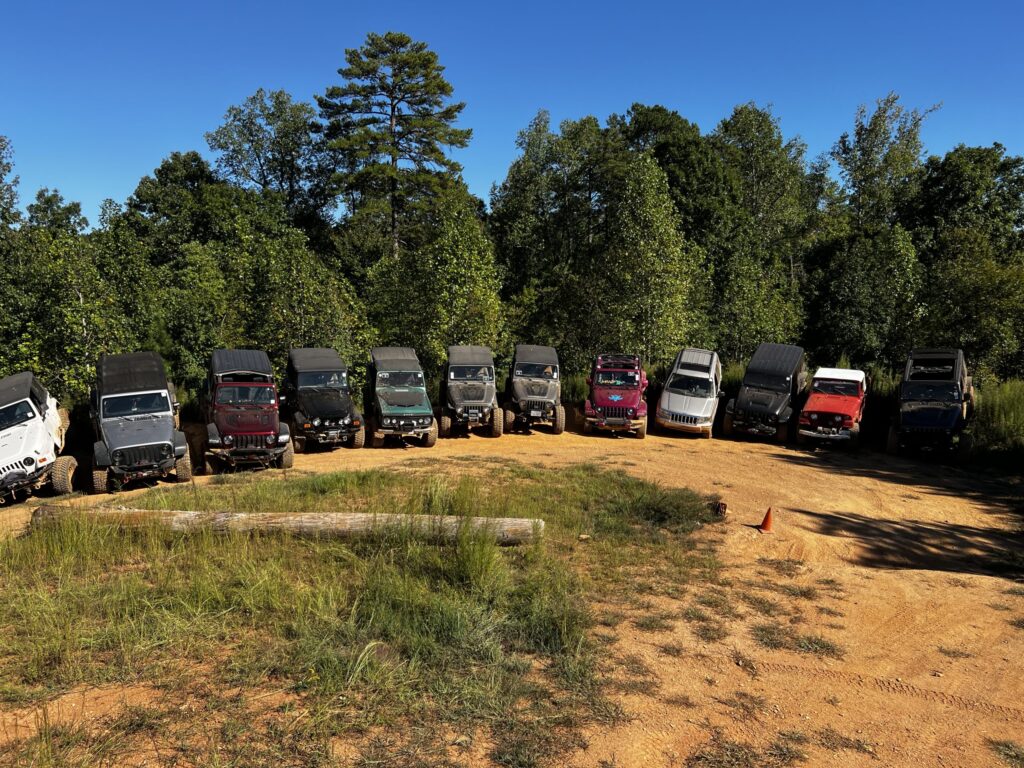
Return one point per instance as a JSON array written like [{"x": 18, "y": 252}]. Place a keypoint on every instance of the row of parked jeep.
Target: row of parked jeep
[{"x": 135, "y": 413}]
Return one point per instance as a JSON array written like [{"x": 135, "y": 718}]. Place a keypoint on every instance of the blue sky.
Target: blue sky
[{"x": 95, "y": 95}]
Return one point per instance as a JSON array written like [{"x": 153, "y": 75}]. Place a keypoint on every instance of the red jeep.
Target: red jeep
[
  {"x": 616, "y": 402},
  {"x": 835, "y": 407}
]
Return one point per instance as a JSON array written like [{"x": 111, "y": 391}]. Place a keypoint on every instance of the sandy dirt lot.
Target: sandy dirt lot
[{"x": 898, "y": 562}]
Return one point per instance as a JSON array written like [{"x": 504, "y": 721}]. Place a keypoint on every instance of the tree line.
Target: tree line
[{"x": 344, "y": 221}]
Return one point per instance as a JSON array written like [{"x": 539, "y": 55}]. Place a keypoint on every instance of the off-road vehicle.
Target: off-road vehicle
[
  {"x": 533, "y": 392},
  {"x": 834, "y": 410},
  {"x": 241, "y": 404},
  {"x": 32, "y": 430},
  {"x": 318, "y": 401},
  {"x": 936, "y": 402},
  {"x": 134, "y": 415},
  {"x": 689, "y": 400},
  {"x": 770, "y": 396},
  {"x": 468, "y": 394},
  {"x": 396, "y": 397},
  {"x": 615, "y": 402}
]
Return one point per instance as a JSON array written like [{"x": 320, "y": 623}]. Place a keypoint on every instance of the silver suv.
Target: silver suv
[{"x": 689, "y": 401}]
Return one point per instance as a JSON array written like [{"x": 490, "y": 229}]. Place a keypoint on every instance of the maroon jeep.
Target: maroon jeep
[{"x": 616, "y": 402}]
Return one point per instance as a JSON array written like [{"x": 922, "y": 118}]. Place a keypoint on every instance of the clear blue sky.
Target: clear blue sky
[{"x": 95, "y": 94}]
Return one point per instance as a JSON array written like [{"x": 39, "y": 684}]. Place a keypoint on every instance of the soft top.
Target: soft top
[
  {"x": 617, "y": 361},
  {"x": 933, "y": 365},
  {"x": 240, "y": 360},
  {"x": 840, "y": 374},
  {"x": 315, "y": 359},
  {"x": 779, "y": 359},
  {"x": 691, "y": 359},
  {"x": 135, "y": 372},
  {"x": 532, "y": 353},
  {"x": 395, "y": 359},
  {"x": 15, "y": 388},
  {"x": 470, "y": 355}
]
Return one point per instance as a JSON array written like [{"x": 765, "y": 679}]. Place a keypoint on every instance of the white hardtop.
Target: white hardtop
[{"x": 840, "y": 374}]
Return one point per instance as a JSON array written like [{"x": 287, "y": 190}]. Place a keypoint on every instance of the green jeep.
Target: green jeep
[{"x": 396, "y": 401}]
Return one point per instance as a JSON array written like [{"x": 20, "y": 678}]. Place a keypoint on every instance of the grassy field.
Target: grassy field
[{"x": 270, "y": 650}]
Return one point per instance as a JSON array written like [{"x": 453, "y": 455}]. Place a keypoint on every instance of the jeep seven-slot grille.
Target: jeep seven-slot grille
[
  {"x": 140, "y": 455},
  {"x": 680, "y": 418},
  {"x": 538, "y": 405},
  {"x": 250, "y": 442},
  {"x": 615, "y": 412},
  {"x": 6, "y": 469}
]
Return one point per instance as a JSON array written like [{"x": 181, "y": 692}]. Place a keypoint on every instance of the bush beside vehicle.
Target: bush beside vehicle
[
  {"x": 318, "y": 401},
  {"x": 615, "y": 402},
  {"x": 936, "y": 402},
  {"x": 770, "y": 396},
  {"x": 532, "y": 390},
  {"x": 469, "y": 396},
  {"x": 835, "y": 407},
  {"x": 396, "y": 398},
  {"x": 693, "y": 387}
]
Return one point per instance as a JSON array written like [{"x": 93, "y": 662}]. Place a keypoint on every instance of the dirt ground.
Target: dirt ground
[{"x": 902, "y": 558}]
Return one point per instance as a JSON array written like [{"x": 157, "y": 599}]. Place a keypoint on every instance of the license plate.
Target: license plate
[{"x": 536, "y": 413}]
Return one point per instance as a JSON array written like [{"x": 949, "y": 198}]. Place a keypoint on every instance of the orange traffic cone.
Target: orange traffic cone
[{"x": 766, "y": 524}]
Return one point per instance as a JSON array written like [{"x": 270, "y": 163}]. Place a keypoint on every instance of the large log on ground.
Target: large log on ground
[{"x": 507, "y": 531}]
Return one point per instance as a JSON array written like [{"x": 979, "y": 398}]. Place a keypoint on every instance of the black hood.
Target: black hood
[
  {"x": 762, "y": 401},
  {"x": 325, "y": 403}
]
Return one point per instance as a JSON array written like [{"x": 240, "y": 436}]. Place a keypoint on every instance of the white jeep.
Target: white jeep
[{"x": 32, "y": 430}]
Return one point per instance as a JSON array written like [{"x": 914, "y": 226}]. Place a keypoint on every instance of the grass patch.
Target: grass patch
[
  {"x": 954, "y": 653},
  {"x": 778, "y": 637},
  {"x": 711, "y": 631},
  {"x": 720, "y": 603},
  {"x": 1016, "y": 591},
  {"x": 762, "y": 605},
  {"x": 1010, "y": 752},
  {"x": 724, "y": 753},
  {"x": 802, "y": 592},
  {"x": 833, "y": 740},
  {"x": 783, "y": 567},
  {"x": 654, "y": 622},
  {"x": 1018, "y": 623}
]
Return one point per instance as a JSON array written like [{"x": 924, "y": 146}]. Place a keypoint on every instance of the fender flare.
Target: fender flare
[
  {"x": 180, "y": 444},
  {"x": 100, "y": 454},
  {"x": 212, "y": 435}
]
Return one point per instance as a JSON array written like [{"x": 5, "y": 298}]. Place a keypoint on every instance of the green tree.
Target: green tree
[
  {"x": 391, "y": 122},
  {"x": 50, "y": 211},
  {"x": 9, "y": 213}
]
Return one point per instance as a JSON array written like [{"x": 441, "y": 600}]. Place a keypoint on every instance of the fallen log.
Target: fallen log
[{"x": 507, "y": 531}]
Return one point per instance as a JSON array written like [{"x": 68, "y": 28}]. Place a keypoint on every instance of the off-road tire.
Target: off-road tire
[
  {"x": 300, "y": 444},
  {"x": 801, "y": 438},
  {"x": 62, "y": 474},
  {"x": 287, "y": 459},
  {"x": 782, "y": 432},
  {"x": 183, "y": 468},
  {"x": 588, "y": 428},
  {"x": 358, "y": 439},
  {"x": 727, "y": 425},
  {"x": 892, "y": 442},
  {"x": 429, "y": 440},
  {"x": 100, "y": 480},
  {"x": 558, "y": 425},
  {"x": 497, "y": 423},
  {"x": 209, "y": 465},
  {"x": 510, "y": 419},
  {"x": 444, "y": 426},
  {"x": 706, "y": 435},
  {"x": 641, "y": 431},
  {"x": 855, "y": 437},
  {"x": 65, "y": 420},
  {"x": 965, "y": 446},
  {"x": 376, "y": 438}
]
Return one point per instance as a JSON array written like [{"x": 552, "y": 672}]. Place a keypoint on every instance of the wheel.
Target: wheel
[
  {"x": 376, "y": 438},
  {"x": 65, "y": 419},
  {"x": 287, "y": 459},
  {"x": 300, "y": 444},
  {"x": 429, "y": 440},
  {"x": 964, "y": 446},
  {"x": 100, "y": 480},
  {"x": 727, "y": 425},
  {"x": 855, "y": 437},
  {"x": 892, "y": 444},
  {"x": 559, "y": 425},
  {"x": 706, "y": 435},
  {"x": 510, "y": 419},
  {"x": 358, "y": 439},
  {"x": 801, "y": 438},
  {"x": 497, "y": 423},
  {"x": 641, "y": 431},
  {"x": 183, "y": 468},
  {"x": 62, "y": 474},
  {"x": 209, "y": 465},
  {"x": 588, "y": 427},
  {"x": 444, "y": 428},
  {"x": 782, "y": 432}
]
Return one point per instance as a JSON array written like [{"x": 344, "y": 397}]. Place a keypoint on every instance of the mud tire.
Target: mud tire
[
  {"x": 62, "y": 474},
  {"x": 641, "y": 431},
  {"x": 358, "y": 439},
  {"x": 497, "y": 423},
  {"x": 429, "y": 440},
  {"x": 510, "y": 420},
  {"x": 287, "y": 459},
  {"x": 727, "y": 429},
  {"x": 100, "y": 480},
  {"x": 892, "y": 442},
  {"x": 444, "y": 426},
  {"x": 558, "y": 425},
  {"x": 183, "y": 469}
]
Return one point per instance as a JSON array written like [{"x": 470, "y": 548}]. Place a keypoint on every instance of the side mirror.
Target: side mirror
[
  {"x": 176, "y": 405},
  {"x": 721, "y": 395},
  {"x": 281, "y": 398}
]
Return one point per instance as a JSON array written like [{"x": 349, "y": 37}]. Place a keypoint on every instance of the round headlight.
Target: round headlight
[
  {"x": 118, "y": 457},
  {"x": 316, "y": 422},
  {"x": 271, "y": 439},
  {"x": 28, "y": 461},
  {"x": 814, "y": 417},
  {"x": 630, "y": 412},
  {"x": 228, "y": 439},
  {"x": 347, "y": 420},
  {"x": 424, "y": 421},
  {"x": 166, "y": 450}
]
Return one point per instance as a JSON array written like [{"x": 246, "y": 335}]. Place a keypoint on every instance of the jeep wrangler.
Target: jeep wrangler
[
  {"x": 936, "y": 402},
  {"x": 770, "y": 396},
  {"x": 615, "y": 402},
  {"x": 32, "y": 431},
  {"x": 396, "y": 397},
  {"x": 318, "y": 401},
  {"x": 689, "y": 400},
  {"x": 834, "y": 410},
  {"x": 241, "y": 404},
  {"x": 468, "y": 394},
  {"x": 533, "y": 392},
  {"x": 134, "y": 415}
]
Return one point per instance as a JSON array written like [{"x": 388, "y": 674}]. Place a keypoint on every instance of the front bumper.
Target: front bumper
[
  {"x": 126, "y": 474},
  {"x": 924, "y": 437},
  {"x": 693, "y": 428},
  {"x": 18, "y": 480},
  {"x": 831, "y": 434},
  {"x": 533, "y": 412},
  {"x": 479, "y": 413},
  {"x": 758, "y": 428},
  {"x": 615, "y": 425},
  {"x": 330, "y": 436}
]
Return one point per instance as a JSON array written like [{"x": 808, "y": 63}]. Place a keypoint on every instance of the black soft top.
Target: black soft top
[
  {"x": 315, "y": 359},
  {"x": 776, "y": 359},
  {"x": 15, "y": 388},
  {"x": 395, "y": 359},
  {"x": 240, "y": 361},
  {"x": 135, "y": 372},
  {"x": 617, "y": 360},
  {"x": 470, "y": 355},
  {"x": 532, "y": 353},
  {"x": 933, "y": 365}
]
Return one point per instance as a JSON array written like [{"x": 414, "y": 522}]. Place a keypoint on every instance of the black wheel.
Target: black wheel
[
  {"x": 287, "y": 460},
  {"x": 497, "y": 423},
  {"x": 588, "y": 427},
  {"x": 183, "y": 468},
  {"x": 727, "y": 425},
  {"x": 510, "y": 419},
  {"x": 558, "y": 427},
  {"x": 892, "y": 443},
  {"x": 782, "y": 432},
  {"x": 444, "y": 428},
  {"x": 100, "y": 480},
  {"x": 62, "y": 474},
  {"x": 855, "y": 437},
  {"x": 358, "y": 439},
  {"x": 299, "y": 444},
  {"x": 429, "y": 440}
]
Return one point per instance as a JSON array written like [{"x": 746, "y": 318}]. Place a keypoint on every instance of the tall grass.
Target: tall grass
[{"x": 999, "y": 426}]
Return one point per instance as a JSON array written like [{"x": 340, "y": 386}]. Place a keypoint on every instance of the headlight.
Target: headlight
[
  {"x": 166, "y": 450},
  {"x": 118, "y": 457},
  {"x": 424, "y": 421},
  {"x": 459, "y": 410},
  {"x": 630, "y": 412},
  {"x": 814, "y": 417},
  {"x": 347, "y": 420},
  {"x": 28, "y": 461},
  {"x": 597, "y": 408},
  {"x": 228, "y": 439},
  {"x": 387, "y": 422},
  {"x": 316, "y": 422}
]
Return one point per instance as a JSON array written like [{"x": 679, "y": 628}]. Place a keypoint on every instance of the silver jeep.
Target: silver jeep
[{"x": 689, "y": 401}]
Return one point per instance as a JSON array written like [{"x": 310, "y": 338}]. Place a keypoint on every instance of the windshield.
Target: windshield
[
  {"x": 938, "y": 391},
  {"x": 324, "y": 379},
  {"x": 118, "y": 406},
  {"x": 694, "y": 386},
  {"x": 536, "y": 371},
  {"x": 400, "y": 379},
  {"x": 470, "y": 373},
  {"x": 772, "y": 382},
  {"x": 617, "y": 379},
  {"x": 240, "y": 394},
  {"x": 16, "y": 413},
  {"x": 827, "y": 387}
]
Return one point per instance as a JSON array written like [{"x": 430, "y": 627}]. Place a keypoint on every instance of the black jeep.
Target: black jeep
[
  {"x": 318, "y": 401},
  {"x": 936, "y": 402},
  {"x": 468, "y": 394},
  {"x": 771, "y": 395},
  {"x": 533, "y": 392}
]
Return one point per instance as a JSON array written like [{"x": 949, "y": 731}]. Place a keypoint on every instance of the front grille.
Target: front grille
[
  {"x": 250, "y": 442},
  {"x": 615, "y": 412},
  {"x": 140, "y": 455},
  {"x": 538, "y": 405},
  {"x": 680, "y": 418},
  {"x": 8, "y": 468}
]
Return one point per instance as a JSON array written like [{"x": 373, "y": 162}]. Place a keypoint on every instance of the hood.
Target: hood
[
  {"x": 762, "y": 401},
  {"x": 844, "y": 405},
  {"x": 145, "y": 429},
  {"x": 688, "y": 405},
  {"x": 929, "y": 415},
  {"x": 232, "y": 420},
  {"x": 535, "y": 389},
  {"x": 470, "y": 392},
  {"x": 22, "y": 440},
  {"x": 324, "y": 403},
  {"x": 625, "y": 397},
  {"x": 402, "y": 401}
]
